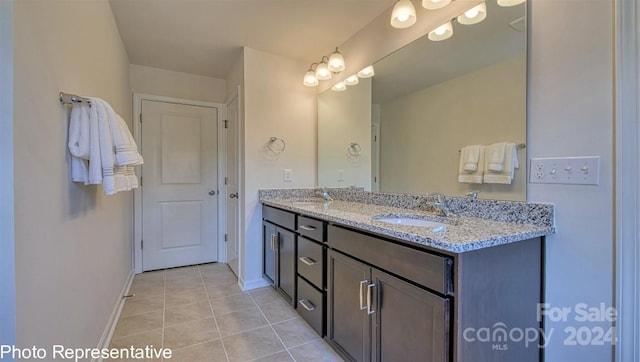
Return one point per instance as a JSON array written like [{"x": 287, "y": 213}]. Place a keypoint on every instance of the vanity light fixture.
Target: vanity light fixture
[
  {"x": 322, "y": 70},
  {"x": 352, "y": 80},
  {"x": 367, "y": 72},
  {"x": 474, "y": 15},
  {"x": 339, "y": 87},
  {"x": 336, "y": 62},
  {"x": 310, "y": 79},
  {"x": 507, "y": 3},
  {"x": 435, "y": 4},
  {"x": 443, "y": 32},
  {"x": 403, "y": 14}
]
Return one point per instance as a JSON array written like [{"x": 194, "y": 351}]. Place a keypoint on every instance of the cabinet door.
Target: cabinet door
[
  {"x": 286, "y": 263},
  {"x": 269, "y": 252},
  {"x": 348, "y": 324},
  {"x": 411, "y": 324}
]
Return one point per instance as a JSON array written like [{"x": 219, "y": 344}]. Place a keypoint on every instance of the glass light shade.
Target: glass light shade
[
  {"x": 474, "y": 15},
  {"x": 435, "y": 4},
  {"x": 444, "y": 31},
  {"x": 310, "y": 79},
  {"x": 507, "y": 3},
  {"x": 336, "y": 62},
  {"x": 352, "y": 80},
  {"x": 367, "y": 72},
  {"x": 339, "y": 87},
  {"x": 323, "y": 72},
  {"x": 403, "y": 14}
]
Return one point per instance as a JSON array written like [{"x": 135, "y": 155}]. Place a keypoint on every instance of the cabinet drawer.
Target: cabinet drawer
[
  {"x": 279, "y": 217},
  {"x": 311, "y": 305},
  {"x": 430, "y": 270},
  {"x": 311, "y": 261},
  {"x": 311, "y": 228}
]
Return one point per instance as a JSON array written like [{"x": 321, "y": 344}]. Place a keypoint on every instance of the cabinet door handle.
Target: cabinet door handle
[
  {"x": 306, "y": 304},
  {"x": 308, "y": 261},
  {"x": 369, "y": 297},
  {"x": 362, "y": 284},
  {"x": 307, "y": 227},
  {"x": 273, "y": 241}
]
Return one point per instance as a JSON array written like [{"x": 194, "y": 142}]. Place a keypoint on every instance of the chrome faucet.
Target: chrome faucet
[
  {"x": 324, "y": 193},
  {"x": 441, "y": 204}
]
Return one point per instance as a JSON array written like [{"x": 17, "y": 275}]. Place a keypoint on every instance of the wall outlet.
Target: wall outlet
[
  {"x": 565, "y": 170},
  {"x": 288, "y": 175}
]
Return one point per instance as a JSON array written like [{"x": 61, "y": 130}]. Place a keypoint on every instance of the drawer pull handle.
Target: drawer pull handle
[
  {"x": 362, "y": 284},
  {"x": 307, "y": 227},
  {"x": 308, "y": 261},
  {"x": 306, "y": 304},
  {"x": 369, "y": 297}
]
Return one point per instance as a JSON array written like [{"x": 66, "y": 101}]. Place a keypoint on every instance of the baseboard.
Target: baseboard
[
  {"x": 252, "y": 284},
  {"x": 105, "y": 340}
]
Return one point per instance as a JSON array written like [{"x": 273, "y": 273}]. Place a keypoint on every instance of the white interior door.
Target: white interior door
[
  {"x": 231, "y": 183},
  {"x": 179, "y": 184}
]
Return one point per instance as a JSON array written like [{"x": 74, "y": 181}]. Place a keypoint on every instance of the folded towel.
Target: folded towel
[
  {"x": 95, "y": 161},
  {"x": 471, "y": 176},
  {"x": 510, "y": 164},
  {"x": 79, "y": 142},
  {"x": 125, "y": 147},
  {"x": 469, "y": 156},
  {"x": 495, "y": 156}
]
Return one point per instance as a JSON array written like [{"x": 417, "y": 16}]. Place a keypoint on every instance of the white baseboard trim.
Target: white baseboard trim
[
  {"x": 252, "y": 284},
  {"x": 105, "y": 340}
]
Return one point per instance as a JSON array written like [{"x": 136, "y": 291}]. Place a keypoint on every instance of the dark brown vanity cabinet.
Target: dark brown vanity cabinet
[
  {"x": 374, "y": 316},
  {"x": 279, "y": 251},
  {"x": 312, "y": 253}
]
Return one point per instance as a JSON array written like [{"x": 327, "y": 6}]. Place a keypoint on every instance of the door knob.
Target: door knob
[
  {"x": 233, "y": 196},
  {"x": 212, "y": 192}
]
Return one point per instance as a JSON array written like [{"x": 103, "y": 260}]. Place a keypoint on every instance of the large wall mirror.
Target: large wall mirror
[{"x": 402, "y": 130}]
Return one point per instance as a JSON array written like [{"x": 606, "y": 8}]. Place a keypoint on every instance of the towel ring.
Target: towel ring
[
  {"x": 354, "y": 149},
  {"x": 276, "y": 145}
]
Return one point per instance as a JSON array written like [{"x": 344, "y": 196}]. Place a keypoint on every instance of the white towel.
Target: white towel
[
  {"x": 471, "y": 176},
  {"x": 509, "y": 165},
  {"x": 79, "y": 142},
  {"x": 495, "y": 156},
  {"x": 125, "y": 147},
  {"x": 469, "y": 156}
]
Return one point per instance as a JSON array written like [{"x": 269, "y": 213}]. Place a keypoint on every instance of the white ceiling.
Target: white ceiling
[{"x": 205, "y": 37}]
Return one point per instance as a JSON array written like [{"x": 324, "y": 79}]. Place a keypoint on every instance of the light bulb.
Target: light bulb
[
  {"x": 339, "y": 87},
  {"x": 367, "y": 72},
  {"x": 323, "y": 72},
  {"x": 510, "y": 2},
  {"x": 474, "y": 15},
  {"x": 444, "y": 31},
  {"x": 310, "y": 79},
  {"x": 435, "y": 4},
  {"x": 403, "y": 14},
  {"x": 336, "y": 62},
  {"x": 352, "y": 80}
]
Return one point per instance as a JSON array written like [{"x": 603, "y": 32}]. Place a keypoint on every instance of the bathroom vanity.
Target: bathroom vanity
[{"x": 460, "y": 289}]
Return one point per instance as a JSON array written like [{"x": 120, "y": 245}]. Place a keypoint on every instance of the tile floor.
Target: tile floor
[{"x": 201, "y": 314}]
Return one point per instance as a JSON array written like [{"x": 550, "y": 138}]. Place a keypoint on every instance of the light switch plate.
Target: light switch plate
[
  {"x": 288, "y": 175},
  {"x": 340, "y": 175},
  {"x": 565, "y": 170}
]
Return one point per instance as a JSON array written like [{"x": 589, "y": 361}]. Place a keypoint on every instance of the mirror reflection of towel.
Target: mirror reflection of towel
[
  {"x": 471, "y": 165},
  {"x": 509, "y": 165}
]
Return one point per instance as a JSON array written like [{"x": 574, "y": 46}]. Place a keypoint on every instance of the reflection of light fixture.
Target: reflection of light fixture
[
  {"x": 310, "y": 79},
  {"x": 510, "y": 2},
  {"x": 352, "y": 80},
  {"x": 336, "y": 62},
  {"x": 444, "y": 31},
  {"x": 474, "y": 15},
  {"x": 403, "y": 14},
  {"x": 322, "y": 70},
  {"x": 339, "y": 87},
  {"x": 434, "y": 4},
  {"x": 367, "y": 72}
]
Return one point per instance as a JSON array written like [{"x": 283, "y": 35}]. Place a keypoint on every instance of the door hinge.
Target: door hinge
[
  {"x": 140, "y": 181},
  {"x": 226, "y": 237},
  {"x": 226, "y": 123},
  {"x": 140, "y": 117},
  {"x": 226, "y": 180},
  {"x": 141, "y": 244}
]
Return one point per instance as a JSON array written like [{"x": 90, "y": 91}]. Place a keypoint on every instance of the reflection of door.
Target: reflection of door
[
  {"x": 231, "y": 182},
  {"x": 375, "y": 157},
  {"x": 179, "y": 175}
]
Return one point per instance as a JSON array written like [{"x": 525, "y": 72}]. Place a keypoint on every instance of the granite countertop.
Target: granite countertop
[{"x": 460, "y": 233}]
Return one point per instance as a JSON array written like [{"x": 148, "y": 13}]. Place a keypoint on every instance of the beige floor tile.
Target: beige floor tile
[
  {"x": 151, "y": 338},
  {"x": 152, "y": 275},
  {"x": 223, "y": 291},
  {"x": 317, "y": 351},
  {"x": 182, "y": 285},
  {"x": 190, "y": 333},
  {"x": 219, "y": 281},
  {"x": 189, "y": 296},
  {"x": 138, "y": 305},
  {"x": 138, "y": 323},
  {"x": 214, "y": 266},
  {"x": 205, "y": 352},
  {"x": 240, "y": 321},
  {"x": 147, "y": 288},
  {"x": 252, "y": 344},
  {"x": 234, "y": 303},
  {"x": 278, "y": 357},
  {"x": 295, "y": 332},
  {"x": 265, "y": 295},
  {"x": 278, "y": 311},
  {"x": 186, "y": 313}
]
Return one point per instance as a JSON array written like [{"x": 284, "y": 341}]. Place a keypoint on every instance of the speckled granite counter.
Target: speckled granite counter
[{"x": 480, "y": 224}]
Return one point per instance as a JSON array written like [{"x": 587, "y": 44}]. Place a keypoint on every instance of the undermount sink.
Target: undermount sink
[{"x": 409, "y": 220}]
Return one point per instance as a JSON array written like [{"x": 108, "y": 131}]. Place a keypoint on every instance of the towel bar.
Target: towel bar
[
  {"x": 66, "y": 98},
  {"x": 519, "y": 146}
]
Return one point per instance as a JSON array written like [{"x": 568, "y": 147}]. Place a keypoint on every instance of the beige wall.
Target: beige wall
[
  {"x": 73, "y": 244},
  {"x": 343, "y": 118},
  {"x": 422, "y": 133},
  {"x": 168, "y": 83},
  {"x": 276, "y": 104}
]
